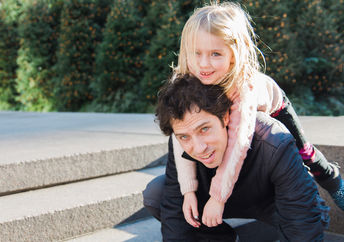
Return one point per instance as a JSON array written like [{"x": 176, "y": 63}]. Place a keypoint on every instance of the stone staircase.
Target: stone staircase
[
  {"x": 67, "y": 174},
  {"x": 79, "y": 176}
]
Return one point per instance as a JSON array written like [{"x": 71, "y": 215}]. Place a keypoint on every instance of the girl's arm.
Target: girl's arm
[
  {"x": 241, "y": 126},
  {"x": 186, "y": 169}
]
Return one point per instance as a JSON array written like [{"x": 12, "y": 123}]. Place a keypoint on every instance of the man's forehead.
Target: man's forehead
[{"x": 191, "y": 120}]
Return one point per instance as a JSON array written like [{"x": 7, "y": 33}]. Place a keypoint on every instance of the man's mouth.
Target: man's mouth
[{"x": 208, "y": 157}]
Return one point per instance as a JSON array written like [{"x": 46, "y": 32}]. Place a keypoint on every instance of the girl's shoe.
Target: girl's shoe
[
  {"x": 338, "y": 196},
  {"x": 334, "y": 185}
]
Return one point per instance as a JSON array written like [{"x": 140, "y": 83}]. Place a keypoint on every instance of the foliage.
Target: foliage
[
  {"x": 276, "y": 40},
  {"x": 38, "y": 31},
  {"x": 81, "y": 32},
  {"x": 302, "y": 43},
  {"x": 306, "y": 103},
  {"x": 9, "y": 45},
  {"x": 322, "y": 51},
  {"x": 114, "y": 55},
  {"x": 120, "y": 56},
  {"x": 162, "y": 50}
]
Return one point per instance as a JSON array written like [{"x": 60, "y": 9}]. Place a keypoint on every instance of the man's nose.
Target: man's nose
[{"x": 199, "y": 146}]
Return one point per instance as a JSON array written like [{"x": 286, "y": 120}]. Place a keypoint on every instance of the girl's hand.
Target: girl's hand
[
  {"x": 212, "y": 213},
  {"x": 190, "y": 209}
]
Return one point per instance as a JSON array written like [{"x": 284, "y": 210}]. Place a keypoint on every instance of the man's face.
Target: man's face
[{"x": 202, "y": 136}]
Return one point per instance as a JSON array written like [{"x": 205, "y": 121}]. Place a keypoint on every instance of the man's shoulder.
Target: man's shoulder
[{"x": 270, "y": 130}]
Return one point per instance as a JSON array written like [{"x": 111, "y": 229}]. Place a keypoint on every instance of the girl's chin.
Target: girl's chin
[{"x": 206, "y": 81}]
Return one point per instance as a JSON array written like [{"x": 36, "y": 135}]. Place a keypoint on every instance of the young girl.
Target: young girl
[{"x": 218, "y": 47}]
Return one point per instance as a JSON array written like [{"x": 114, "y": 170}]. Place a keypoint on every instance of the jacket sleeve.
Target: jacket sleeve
[
  {"x": 296, "y": 195},
  {"x": 173, "y": 225},
  {"x": 186, "y": 169},
  {"x": 240, "y": 132}
]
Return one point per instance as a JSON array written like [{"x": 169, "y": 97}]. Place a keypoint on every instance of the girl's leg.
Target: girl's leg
[{"x": 326, "y": 174}]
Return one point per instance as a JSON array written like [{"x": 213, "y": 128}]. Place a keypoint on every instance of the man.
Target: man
[{"x": 273, "y": 185}]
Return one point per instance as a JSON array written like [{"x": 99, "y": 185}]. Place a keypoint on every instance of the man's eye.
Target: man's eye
[
  {"x": 183, "y": 137},
  {"x": 205, "y": 129}
]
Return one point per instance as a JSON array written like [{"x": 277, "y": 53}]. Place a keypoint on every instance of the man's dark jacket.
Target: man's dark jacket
[{"x": 272, "y": 180}]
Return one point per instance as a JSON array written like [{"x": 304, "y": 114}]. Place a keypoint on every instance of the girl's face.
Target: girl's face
[{"x": 213, "y": 58}]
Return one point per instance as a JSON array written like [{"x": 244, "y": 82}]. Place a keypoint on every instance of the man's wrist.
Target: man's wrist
[{"x": 217, "y": 200}]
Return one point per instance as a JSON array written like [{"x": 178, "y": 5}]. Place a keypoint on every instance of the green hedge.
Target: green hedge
[
  {"x": 9, "y": 45},
  {"x": 120, "y": 56},
  {"x": 321, "y": 43},
  {"x": 114, "y": 55},
  {"x": 81, "y": 28},
  {"x": 38, "y": 33},
  {"x": 162, "y": 52}
]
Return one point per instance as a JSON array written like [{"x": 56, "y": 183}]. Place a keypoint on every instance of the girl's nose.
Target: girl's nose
[{"x": 203, "y": 61}]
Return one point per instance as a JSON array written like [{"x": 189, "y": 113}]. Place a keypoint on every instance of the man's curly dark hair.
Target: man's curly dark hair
[{"x": 182, "y": 94}]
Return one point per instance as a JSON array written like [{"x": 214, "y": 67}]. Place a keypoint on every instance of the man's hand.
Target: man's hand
[
  {"x": 190, "y": 209},
  {"x": 212, "y": 213}
]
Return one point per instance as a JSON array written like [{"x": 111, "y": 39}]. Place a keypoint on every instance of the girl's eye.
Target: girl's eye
[{"x": 216, "y": 54}]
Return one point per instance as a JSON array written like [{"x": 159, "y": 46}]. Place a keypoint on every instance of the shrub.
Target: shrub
[
  {"x": 120, "y": 56},
  {"x": 271, "y": 22},
  {"x": 81, "y": 26},
  {"x": 167, "y": 18},
  {"x": 322, "y": 47},
  {"x": 163, "y": 49},
  {"x": 9, "y": 45},
  {"x": 38, "y": 31}
]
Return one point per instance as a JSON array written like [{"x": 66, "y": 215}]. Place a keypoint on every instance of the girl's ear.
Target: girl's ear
[{"x": 232, "y": 61}]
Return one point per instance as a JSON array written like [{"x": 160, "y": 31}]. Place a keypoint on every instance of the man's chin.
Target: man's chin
[{"x": 211, "y": 165}]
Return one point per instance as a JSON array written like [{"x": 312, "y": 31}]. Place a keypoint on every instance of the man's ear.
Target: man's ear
[{"x": 226, "y": 119}]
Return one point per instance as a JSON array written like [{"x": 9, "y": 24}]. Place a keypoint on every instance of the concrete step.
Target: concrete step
[
  {"x": 44, "y": 149},
  {"x": 74, "y": 209},
  {"x": 148, "y": 230}
]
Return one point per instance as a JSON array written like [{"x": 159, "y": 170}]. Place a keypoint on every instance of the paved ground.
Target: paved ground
[
  {"x": 22, "y": 134},
  {"x": 148, "y": 230}
]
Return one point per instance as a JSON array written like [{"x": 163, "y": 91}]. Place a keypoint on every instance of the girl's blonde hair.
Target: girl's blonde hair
[{"x": 231, "y": 23}]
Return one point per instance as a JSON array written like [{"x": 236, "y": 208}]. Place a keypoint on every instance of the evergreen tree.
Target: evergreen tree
[
  {"x": 120, "y": 57},
  {"x": 167, "y": 18},
  {"x": 336, "y": 8},
  {"x": 38, "y": 32},
  {"x": 9, "y": 45},
  {"x": 275, "y": 40},
  {"x": 163, "y": 49},
  {"x": 322, "y": 51},
  {"x": 80, "y": 35}
]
